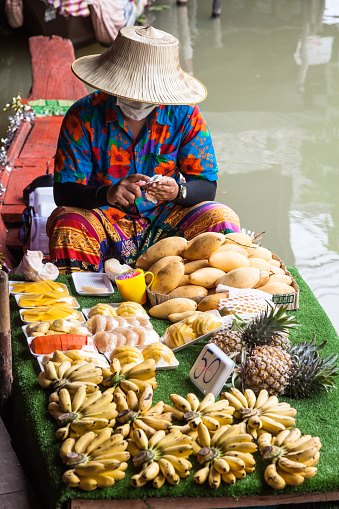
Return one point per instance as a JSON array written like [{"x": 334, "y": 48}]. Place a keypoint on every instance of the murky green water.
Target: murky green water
[{"x": 272, "y": 74}]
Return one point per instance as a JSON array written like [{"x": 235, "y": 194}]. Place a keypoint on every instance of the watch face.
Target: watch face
[{"x": 184, "y": 191}]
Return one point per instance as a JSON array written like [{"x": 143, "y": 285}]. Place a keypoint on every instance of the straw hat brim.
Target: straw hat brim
[{"x": 160, "y": 88}]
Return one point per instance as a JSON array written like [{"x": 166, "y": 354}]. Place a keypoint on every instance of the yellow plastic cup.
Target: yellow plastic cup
[{"x": 132, "y": 285}]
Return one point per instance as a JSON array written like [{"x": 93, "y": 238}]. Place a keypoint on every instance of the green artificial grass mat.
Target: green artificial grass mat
[{"x": 33, "y": 429}]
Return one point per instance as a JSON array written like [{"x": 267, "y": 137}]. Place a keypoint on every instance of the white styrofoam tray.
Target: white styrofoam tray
[
  {"x": 12, "y": 283},
  {"x": 19, "y": 295},
  {"x": 96, "y": 280},
  {"x": 115, "y": 306},
  {"x": 21, "y": 310}
]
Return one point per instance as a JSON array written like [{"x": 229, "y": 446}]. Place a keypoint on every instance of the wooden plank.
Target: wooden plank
[
  {"x": 18, "y": 141},
  {"x": 15, "y": 490},
  {"x": 52, "y": 77},
  {"x": 204, "y": 503},
  {"x": 19, "y": 179},
  {"x": 42, "y": 141},
  {"x": 6, "y": 377}
]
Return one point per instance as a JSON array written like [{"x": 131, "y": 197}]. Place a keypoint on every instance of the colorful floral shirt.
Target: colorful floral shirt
[{"x": 96, "y": 147}]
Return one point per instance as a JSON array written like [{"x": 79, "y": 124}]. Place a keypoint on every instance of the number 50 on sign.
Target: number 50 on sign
[{"x": 211, "y": 369}]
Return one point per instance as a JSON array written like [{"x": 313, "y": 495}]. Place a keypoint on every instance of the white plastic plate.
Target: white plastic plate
[
  {"x": 19, "y": 295},
  {"x": 96, "y": 280},
  {"x": 12, "y": 283},
  {"x": 21, "y": 310},
  {"x": 200, "y": 338},
  {"x": 89, "y": 349}
]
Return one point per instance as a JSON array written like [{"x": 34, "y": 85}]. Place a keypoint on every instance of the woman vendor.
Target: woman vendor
[{"x": 141, "y": 123}]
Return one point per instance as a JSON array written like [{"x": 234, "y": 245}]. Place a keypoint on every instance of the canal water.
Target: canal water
[{"x": 271, "y": 69}]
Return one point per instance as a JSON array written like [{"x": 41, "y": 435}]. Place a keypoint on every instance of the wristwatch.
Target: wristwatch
[{"x": 182, "y": 193}]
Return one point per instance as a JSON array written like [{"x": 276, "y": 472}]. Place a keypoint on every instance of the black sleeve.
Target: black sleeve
[
  {"x": 71, "y": 194},
  {"x": 197, "y": 191}
]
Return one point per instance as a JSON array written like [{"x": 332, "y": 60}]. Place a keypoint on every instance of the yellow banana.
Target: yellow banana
[
  {"x": 214, "y": 478},
  {"x": 239, "y": 474},
  {"x": 180, "y": 402},
  {"x": 70, "y": 370},
  {"x": 100, "y": 439},
  {"x": 145, "y": 400},
  {"x": 288, "y": 411},
  {"x": 201, "y": 475},
  {"x": 79, "y": 398},
  {"x": 54, "y": 410},
  {"x": 304, "y": 444},
  {"x": 233, "y": 401},
  {"x": 99, "y": 403},
  {"x": 261, "y": 398},
  {"x": 291, "y": 467},
  {"x": 83, "y": 425},
  {"x": 140, "y": 438},
  {"x": 156, "y": 438},
  {"x": 229, "y": 478},
  {"x": 132, "y": 400},
  {"x": 88, "y": 469},
  {"x": 279, "y": 439},
  {"x": 115, "y": 443},
  {"x": 313, "y": 461},
  {"x": 225, "y": 432},
  {"x": 255, "y": 422},
  {"x": 64, "y": 366},
  {"x": 294, "y": 435},
  {"x": 221, "y": 465},
  {"x": 240, "y": 396},
  {"x": 285, "y": 420},
  {"x": 157, "y": 410},
  {"x": 71, "y": 479},
  {"x": 210, "y": 423},
  {"x": 156, "y": 423},
  {"x": 120, "y": 401},
  {"x": 50, "y": 371},
  {"x": 271, "y": 402},
  {"x": 290, "y": 479},
  {"x": 159, "y": 480},
  {"x": 208, "y": 400},
  {"x": 178, "y": 463},
  {"x": 67, "y": 446},
  {"x": 237, "y": 439},
  {"x": 80, "y": 369},
  {"x": 167, "y": 469},
  {"x": 309, "y": 472},
  {"x": 88, "y": 484},
  {"x": 193, "y": 401},
  {"x": 204, "y": 435},
  {"x": 303, "y": 455},
  {"x": 177, "y": 414},
  {"x": 163, "y": 446},
  {"x": 271, "y": 425},
  {"x": 219, "y": 406},
  {"x": 141, "y": 369},
  {"x": 273, "y": 479},
  {"x": 62, "y": 433},
  {"x": 234, "y": 463},
  {"x": 103, "y": 481},
  {"x": 117, "y": 474},
  {"x": 181, "y": 451},
  {"x": 150, "y": 471},
  {"x": 141, "y": 384},
  {"x": 127, "y": 385},
  {"x": 65, "y": 402},
  {"x": 250, "y": 398},
  {"x": 246, "y": 457},
  {"x": 83, "y": 442},
  {"x": 242, "y": 447},
  {"x": 138, "y": 423}
]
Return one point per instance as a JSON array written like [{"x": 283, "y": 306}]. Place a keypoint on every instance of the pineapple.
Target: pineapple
[
  {"x": 297, "y": 373},
  {"x": 268, "y": 328}
]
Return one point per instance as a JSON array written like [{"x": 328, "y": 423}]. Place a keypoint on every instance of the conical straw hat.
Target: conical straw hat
[{"x": 142, "y": 64}]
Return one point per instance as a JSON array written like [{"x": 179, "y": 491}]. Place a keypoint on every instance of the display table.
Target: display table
[{"x": 35, "y": 441}]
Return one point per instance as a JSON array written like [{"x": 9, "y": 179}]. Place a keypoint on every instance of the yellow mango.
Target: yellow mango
[
  {"x": 195, "y": 265},
  {"x": 228, "y": 260},
  {"x": 276, "y": 288},
  {"x": 176, "y": 305},
  {"x": 206, "y": 277},
  {"x": 242, "y": 239},
  {"x": 212, "y": 301},
  {"x": 189, "y": 291},
  {"x": 168, "y": 278},
  {"x": 171, "y": 246},
  {"x": 233, "y": 247},
  {"x": 203, "y": 245},
  {"x": 243, "y": 277},
  {"x": 259, "y": 252}
]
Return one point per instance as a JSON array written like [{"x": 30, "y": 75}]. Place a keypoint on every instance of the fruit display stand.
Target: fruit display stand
[{"x": 33, "y": 429}]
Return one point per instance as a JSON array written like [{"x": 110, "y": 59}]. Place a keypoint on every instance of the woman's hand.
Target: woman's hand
[
  {"x": 127, "y": 190},
  {"x": 166, "y": 189}
]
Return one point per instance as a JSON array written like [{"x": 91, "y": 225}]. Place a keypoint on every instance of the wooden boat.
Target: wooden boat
[
  {"x": 78, "y": 29},
  {"x": 31, "y": 152}
]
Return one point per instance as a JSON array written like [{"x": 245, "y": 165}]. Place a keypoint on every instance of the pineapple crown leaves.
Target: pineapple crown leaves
[{"x": 310, "y": 371}]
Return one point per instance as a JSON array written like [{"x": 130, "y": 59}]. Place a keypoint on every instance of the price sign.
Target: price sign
[{"x": 211, "y": 369}]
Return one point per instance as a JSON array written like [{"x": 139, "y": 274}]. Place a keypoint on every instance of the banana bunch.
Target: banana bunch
[
  {"x": 127, "y": 355},
  {"x": 130, "y": 377},
  {"x": 227, "y": 456},
  {"x": 129, "y": 308},
  {"x": 213, "y": 414},
  {"x": 262, "y": 413},
  {"x": 102, "y": 309},
  {"x": 70, "y": 376},
  {"x": 137, "y": 413},
  {"x": 162, "y": 457},
  {"x": 78, "y": 415},
  {"x": 293, "y": 457},
  {"x": 96, "y": 461}
]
